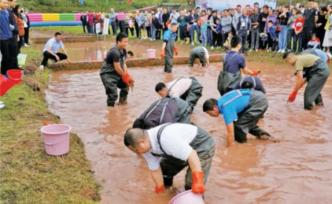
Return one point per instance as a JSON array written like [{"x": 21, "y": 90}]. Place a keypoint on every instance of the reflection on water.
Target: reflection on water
[{"x": 296, "y": 170}]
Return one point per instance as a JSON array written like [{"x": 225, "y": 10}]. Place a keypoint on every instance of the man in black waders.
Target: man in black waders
[
  {"x": 165, "y": 110},
  {"x": 168, "y": 49},
  {"x": 186, "y": 88},
  {"x": 241, "y": 110},
  {"x": 171, "y": 147},
  {"x": 312, "y": 70},
  {"x": 114, "y": 73},
  {"x": 234, "y": 64},
  {"x": 200, "y": 53}
]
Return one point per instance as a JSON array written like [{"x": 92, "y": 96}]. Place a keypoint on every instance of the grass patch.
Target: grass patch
[
  {"x": 76, "y": 30},
  {"x": 28, "y": 175}
]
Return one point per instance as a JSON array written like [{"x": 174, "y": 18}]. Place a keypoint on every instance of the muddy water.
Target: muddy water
[
  {"x": 96, "y": 51},
  {"x": 296, "y": 170}
]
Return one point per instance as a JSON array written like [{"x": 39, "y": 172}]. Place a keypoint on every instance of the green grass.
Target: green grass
[
  {"x": 76, "y": 30},
  {"x": 91, "y": 5},
  {"x": 28, "y": 175}
]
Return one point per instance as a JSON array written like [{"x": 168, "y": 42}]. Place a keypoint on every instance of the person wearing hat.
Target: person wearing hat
[
  {"x": 168, "y": 49},
  {"x": 171, "y": 147},
  {"x": 200, "y": 53},
  {"x": 186, "y": 88},
  {"x": 311, "y": 70},
  {"x": 241, "y": 110}
]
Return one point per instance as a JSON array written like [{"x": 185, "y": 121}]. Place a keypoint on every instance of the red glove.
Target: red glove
[
  {"x": 256, "y": 72},
  {"x": 197, "y": 182},
  {"x": 292, "y": 96},
  {"x": 176, "y": 51},
  {"x": 159, "y": 189},
  {"x": 127, "y": 79},
  {"x": 162, "y": 54}
]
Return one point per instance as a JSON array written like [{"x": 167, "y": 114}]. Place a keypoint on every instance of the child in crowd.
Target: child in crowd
[
  {"x": 272, "y": 36},
  {"x": 314, "y": 42},
  {"x": 298, "y": 29}
]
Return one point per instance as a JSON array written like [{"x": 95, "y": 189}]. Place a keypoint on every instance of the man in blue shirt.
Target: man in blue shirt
[
  {"x": 168, "y": 50},
  {"x": 5, "y": 36},
  {"x": 241, "y": 110},
  {"x": 234, "y": 65}
]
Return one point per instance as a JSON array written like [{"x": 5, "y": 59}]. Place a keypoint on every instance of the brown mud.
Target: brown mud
[{"x": 296, "y": 170}]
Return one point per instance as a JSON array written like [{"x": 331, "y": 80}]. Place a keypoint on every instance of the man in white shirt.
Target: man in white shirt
[
  {"x": 200, "y": 53},
  {"x": 186, "y": 88},
  {"x": 169, "y": 148},
  {"x": 52, "y": 50}
]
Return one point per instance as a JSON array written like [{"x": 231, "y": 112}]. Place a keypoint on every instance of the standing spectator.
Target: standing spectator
[
  {"x": 182, "y": 20},
  {"x": 291, "y": 26},
  {"x": 114, "y": 23},
  {"x": 20, "y": 26},
  {"x": 254, "y": 31},
  {"x": 235, "y": 20},
  {"x": 218, "y": 30},
  {"x": 328, "y": 34},
  {"x": 13, "y": 44},
  {"x": 90, "y": 23},
  {"x": 137, "y": 25},
  {"x": 148, "y": 23},
  {"x": 283, "y": 20},
  {"x": 106, "y": 24},
  {"x": 153, "y": 27},
  {"x": 262, "y": 22},
  {"x": 320, "y": 26},
  {"x": 272, "y": 36},
  {"x": 5, "y": 37},
  {"x": 131, "y": 24},
  {"x": 310, "y": 18},
  {"x": 165, "y": 18},
  {"x": 204, "y": 28},
  {"x": 226, "y": 25},
  {"x": 158, "y": 22},
  {"x": 243, "y": 28},
  {"x": 84, "y": 21},
  {"x": 26, "y": 21},
  {"x": 298, "y": 29}
]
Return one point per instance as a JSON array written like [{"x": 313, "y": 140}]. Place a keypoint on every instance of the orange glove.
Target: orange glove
[
  {"x": 176, "y": 51},
  {"x": 162, "y": 54},
  {"x": 198, "y": 182},
  {"x": 256, "y": 72},
  {"x": 292, "y": 96},
  {"x": 127, "y": 79},
  {"x": 159, "y": 189}
]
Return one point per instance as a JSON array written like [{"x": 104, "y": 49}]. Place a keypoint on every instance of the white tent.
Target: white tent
[{"x": 225, "y": 4}]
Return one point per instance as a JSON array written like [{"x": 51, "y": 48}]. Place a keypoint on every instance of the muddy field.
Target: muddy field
[{"x": 296, "y": 170}]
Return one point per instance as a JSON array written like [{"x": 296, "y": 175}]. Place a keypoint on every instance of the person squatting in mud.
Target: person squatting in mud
[
  {"x": 186, "y": 88},
  {"x": 310, "y": 69},
  {"x": 169, "y": 148},
  {"x": 114, "y": 73},
  {"x": 234, "y": 64},
  {"x": 241, "y": 110}
]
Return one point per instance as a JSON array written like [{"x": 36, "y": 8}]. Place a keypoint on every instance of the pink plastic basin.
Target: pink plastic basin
[
  {"x": 151, "y": 53},
  {"x": 187, "y": 197},
  {"x": 56, "y": 139}
]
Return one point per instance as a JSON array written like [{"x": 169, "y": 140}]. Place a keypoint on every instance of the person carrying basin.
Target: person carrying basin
[
  {"x": 186, "y": 88},
  {"x": 169, "y": 148},
  {"x": 311, "y": 70},
  {"x": 165, "y": 110},
  {"x": 234, "y": 64},
  {"x": 241, "y": 110},
  {"x": 114, "y": 73}
]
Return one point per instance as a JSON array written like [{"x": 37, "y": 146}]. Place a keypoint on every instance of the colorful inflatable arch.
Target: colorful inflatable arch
[{"x": 54, "y": 19}]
